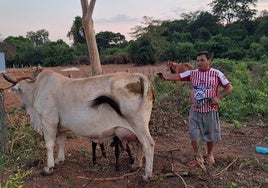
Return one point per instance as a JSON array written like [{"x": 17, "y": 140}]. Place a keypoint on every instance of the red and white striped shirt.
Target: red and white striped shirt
[{"x": 205, "y": 86}]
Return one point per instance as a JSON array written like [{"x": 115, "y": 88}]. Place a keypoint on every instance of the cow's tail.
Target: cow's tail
[
  {"x": 108, "y": 100},
  {"x": 147, "y": 88}
]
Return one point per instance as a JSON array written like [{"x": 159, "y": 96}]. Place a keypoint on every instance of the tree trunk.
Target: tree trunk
[{"x": 88, "y": 25}]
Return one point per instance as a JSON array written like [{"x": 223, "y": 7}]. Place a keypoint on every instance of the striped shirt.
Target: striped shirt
[{"x": 205, "y": 86}]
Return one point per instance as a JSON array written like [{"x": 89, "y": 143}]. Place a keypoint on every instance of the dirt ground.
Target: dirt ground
[{"x": 237, "y": 162}]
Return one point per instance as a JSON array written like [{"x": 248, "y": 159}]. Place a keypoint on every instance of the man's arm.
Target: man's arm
[
  {"x": 169, "y": 77},
  {"x": 227, "y": 90}
]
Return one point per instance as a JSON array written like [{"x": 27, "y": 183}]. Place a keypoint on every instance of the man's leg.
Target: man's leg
[
  {"x": 195, "y": 146},
  {"x": 197, "y": 150},
  {"x": 210, "y": 157}
]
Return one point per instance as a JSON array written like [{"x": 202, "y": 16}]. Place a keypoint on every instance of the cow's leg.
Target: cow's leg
[
  {"x": 61, "y": 138},
  {"x": 145, "y": 139},
  {"x": 148, "y": 149},
  {"x": 50, "y": 137},
  {"x": 138, "y": 161}
]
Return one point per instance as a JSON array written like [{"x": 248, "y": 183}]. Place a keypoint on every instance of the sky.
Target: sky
[{"x": 17, "y": 17}]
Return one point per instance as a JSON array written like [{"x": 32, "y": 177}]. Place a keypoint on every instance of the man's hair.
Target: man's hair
[{"x": 208, "y": 56}]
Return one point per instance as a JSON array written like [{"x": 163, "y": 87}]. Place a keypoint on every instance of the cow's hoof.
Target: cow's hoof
[
  {"x": 132, "y": 161},
  {"x": 117, "y": 168},
  {"x": 134, "y": 169},
  {"x": 59, "y": 162},
  {"x": 145, "y": 178},
  {"x": 46, "y": 172}
]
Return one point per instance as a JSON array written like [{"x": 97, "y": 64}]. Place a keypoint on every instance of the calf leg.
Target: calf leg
[
  {"x": 103, "y": 150},
  {"x": 117, "y": 152},
  {"x": 118, "y": 144},
  {"x": 94, "y": 158},
  {"x": 131, "y": 158}
]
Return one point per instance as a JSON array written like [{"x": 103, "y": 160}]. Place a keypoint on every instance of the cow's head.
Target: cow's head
[
  {"x": 176, "y": 68},
  {"x": 15, "y": 88},
  {"x": 169, "y": 64}
]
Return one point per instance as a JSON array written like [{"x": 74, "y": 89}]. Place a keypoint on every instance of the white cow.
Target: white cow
[{"x": 97, "y": 107}]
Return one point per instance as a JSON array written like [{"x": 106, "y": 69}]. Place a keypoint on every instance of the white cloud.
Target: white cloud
[{"x": 119, "y": 18}]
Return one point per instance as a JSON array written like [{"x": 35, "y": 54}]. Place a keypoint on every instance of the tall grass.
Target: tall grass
[{"x": 24, "y": 147}]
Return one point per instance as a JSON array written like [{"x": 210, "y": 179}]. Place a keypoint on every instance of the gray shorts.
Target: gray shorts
[{"x": 205, "y": 126}]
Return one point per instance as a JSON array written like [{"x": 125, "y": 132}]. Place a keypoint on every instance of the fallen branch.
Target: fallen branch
[
  {"x": 185, "y": 185},
  {"x": 116, "y": 178},
  {"x": 226, "y": 167},
  {"x": 172, "y": 170},
  {"x": 170, "y": 150},
  {"x": 108, "y": 179}
]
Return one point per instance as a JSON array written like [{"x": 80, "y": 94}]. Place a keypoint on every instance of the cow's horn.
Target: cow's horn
[
  {"x": 37, "y": 71},
  {"x": 11, "y": 80}
]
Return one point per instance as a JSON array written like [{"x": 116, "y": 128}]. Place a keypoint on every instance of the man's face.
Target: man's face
[{"x": 202, "y": 62}]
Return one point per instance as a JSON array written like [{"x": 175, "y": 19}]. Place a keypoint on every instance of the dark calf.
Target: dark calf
[{"x": 117, "y": 144}]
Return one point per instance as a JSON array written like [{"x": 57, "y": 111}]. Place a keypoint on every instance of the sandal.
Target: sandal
[{"x": 193, "y": 163}]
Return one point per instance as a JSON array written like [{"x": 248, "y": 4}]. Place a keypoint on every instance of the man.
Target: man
[{"x": 204, "y": 124}]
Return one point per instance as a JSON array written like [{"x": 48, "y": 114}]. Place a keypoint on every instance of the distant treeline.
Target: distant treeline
[{"x": 155, "y": 41}]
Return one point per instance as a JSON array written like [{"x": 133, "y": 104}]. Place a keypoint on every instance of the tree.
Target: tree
[
  {"x": 185, "y": 51},
  {"x": 262, "y": 27},
  {"x": 109, "y": 39},
  {"x": 219, "y": 44},
  {"x": 230, "y": 10},
  {"x": 256, "y": 51},
  {"x": 150, "y": 25},
  {"x": 24, "y": 51},
  {"x": 203, "y": 26},
  {"x": 77, "y": 32},
  {"x": 88, "y": 26},
  {"x": 56, "y": 54},
  {"x": 189, "y": 17},
  {"x": 38, "y": 37},
  {"x": 142, "y": 52}
]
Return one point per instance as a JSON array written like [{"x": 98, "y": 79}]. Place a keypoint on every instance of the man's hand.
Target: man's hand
[{"x": 215, "y": 100}]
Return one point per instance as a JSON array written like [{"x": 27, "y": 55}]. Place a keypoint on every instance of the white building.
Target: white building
[{"x": 2, "y": 62}]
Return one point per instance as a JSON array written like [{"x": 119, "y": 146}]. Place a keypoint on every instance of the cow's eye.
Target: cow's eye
[{"x": 15, "y": 89}]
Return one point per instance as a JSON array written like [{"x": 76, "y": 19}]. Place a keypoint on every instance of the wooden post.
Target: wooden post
[
  {"x": 3, "y": 124},
  {"x": 3, "y": 128}
]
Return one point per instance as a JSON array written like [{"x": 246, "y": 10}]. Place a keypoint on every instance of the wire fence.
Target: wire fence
[{"x": 149, "y": 70}]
